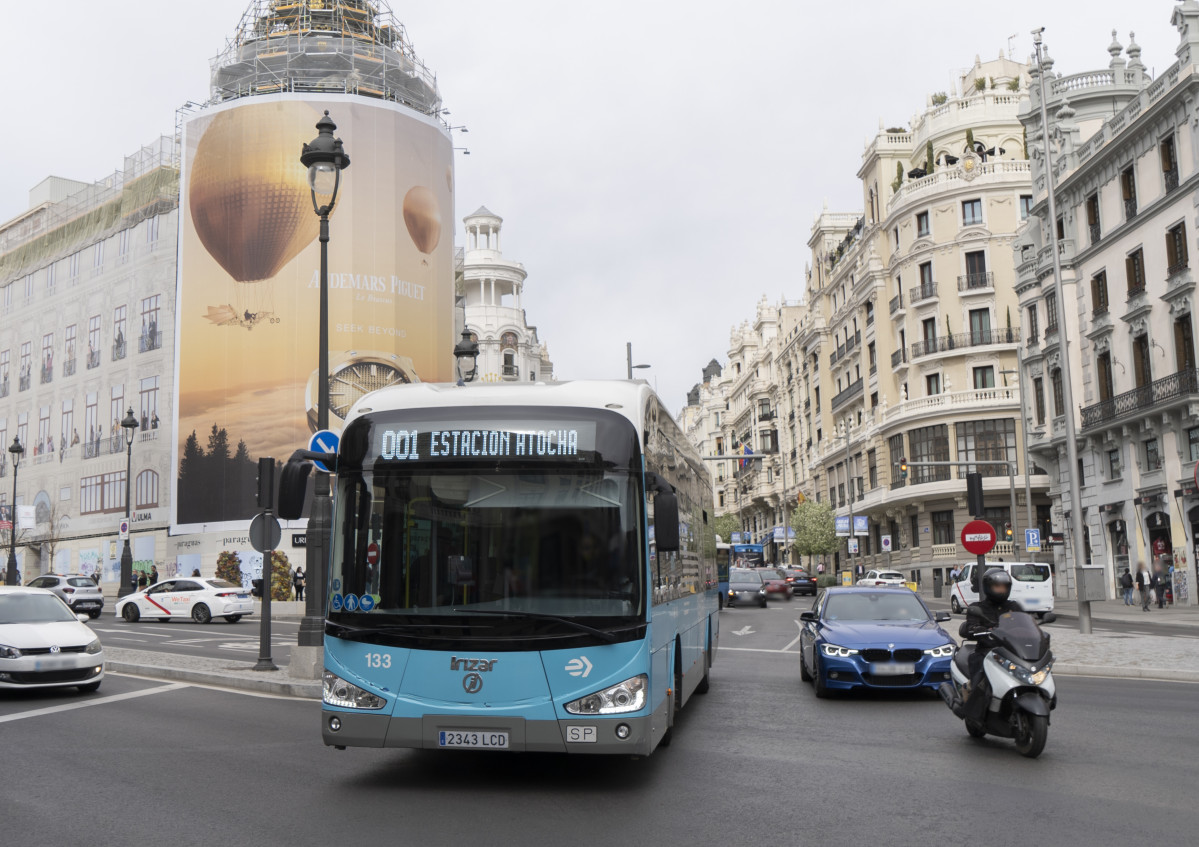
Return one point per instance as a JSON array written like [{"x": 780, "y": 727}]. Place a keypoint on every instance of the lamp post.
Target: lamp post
[
  {"x": 628, "y": 347},
  {"x": 325, "y": 159},
  {"x": 17, "y": 451},
  {"x": 129, "y": 425},
  {"x": 849, "y": 488},
  {"x": 1019, "y": 372},
  {"x": 466, "y": 356},
  {"x": 1071, "y": 470}
]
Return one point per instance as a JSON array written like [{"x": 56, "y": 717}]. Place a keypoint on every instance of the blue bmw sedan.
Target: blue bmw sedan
[{"x": 873, "y": 637}]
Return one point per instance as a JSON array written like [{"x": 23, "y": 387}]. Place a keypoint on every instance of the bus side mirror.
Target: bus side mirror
[{"x": 293, "y": 488}]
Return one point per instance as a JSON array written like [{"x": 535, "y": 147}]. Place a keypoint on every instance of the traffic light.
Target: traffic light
[
  {"x": 903, "y": 469},
  {"x": 1007, "y": 530}
]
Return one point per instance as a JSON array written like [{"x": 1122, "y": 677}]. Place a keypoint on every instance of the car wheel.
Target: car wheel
[
  {"x": 804, "y": 674},
  {"x": 89, "y": 688},
  {"x": 233, "y": 618},
  {"x": 955, "y": 605},
  {"x": 818, "y": 685},
  {"x": 201, "y": 613},
  {"x": 94, "y": 613},
  {"x": 975, "y": 729},
  {"x": 130, "y": 613}
]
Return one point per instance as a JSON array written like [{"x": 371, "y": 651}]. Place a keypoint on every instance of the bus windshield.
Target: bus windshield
[{"x": 445, "y": 522}]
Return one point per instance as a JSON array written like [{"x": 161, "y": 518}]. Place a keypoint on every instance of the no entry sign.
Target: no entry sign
[
  {"x": 372, "y": 554},
  {"x": 978, "y": 537}
]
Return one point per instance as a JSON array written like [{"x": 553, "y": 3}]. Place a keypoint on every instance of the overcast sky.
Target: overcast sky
[{"x": 658, "y": 163}]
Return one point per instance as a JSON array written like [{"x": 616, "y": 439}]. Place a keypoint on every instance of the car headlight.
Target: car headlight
[
  {"x": 627, "y": 696},
  {"x": 7, "y": 652},
  {"x": 94, "y": 647},
  {"x": 338, "y": 692},
  {"x": 941, "y": 652},
  {"x": 732, "y": 593},
  {"x": 836, "y": 652}
]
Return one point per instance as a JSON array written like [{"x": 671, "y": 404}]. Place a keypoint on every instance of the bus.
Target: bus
[
  {"x": 724, "y": 558},
  {"x": 748, "y": 556},
  {"x": 524, "y": 567}
]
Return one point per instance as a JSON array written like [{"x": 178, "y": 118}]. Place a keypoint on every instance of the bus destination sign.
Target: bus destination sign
[{"x": 515, "y": 440}]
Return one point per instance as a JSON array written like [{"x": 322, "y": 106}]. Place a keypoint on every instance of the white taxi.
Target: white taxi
[
  {"x": 200, "y": 598},
  {"x": 876, "y": 578}
]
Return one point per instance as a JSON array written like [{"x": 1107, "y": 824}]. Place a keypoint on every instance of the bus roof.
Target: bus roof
[{"x": 625, "y": 397}]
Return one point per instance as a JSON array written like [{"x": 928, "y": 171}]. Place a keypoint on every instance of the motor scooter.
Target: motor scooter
[{"x": 1017, "y": 669}]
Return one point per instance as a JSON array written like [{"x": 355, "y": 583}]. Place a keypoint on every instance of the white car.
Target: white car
[
  {"x": 883, "y": 578},
  {"x": 43, "y": 644},
  {"x": 200, "y": 598}
]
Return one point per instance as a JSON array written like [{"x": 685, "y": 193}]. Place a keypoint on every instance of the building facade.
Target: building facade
[
  {"x": 1126, "y": 173},
  {"x": 493, "y": 300}
]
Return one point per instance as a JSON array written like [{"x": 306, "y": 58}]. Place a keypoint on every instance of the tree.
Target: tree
[
  {"x": 280, "y": 576},
  {"x": 815, "y": 531},
  {"x": 725, "y": 526}
]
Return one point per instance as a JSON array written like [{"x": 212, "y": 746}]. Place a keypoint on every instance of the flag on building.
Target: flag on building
[{"x": 746, "y": 450}]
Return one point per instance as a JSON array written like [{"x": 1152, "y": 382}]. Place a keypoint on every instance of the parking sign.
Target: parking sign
[{"x": 1032, "y": 540}]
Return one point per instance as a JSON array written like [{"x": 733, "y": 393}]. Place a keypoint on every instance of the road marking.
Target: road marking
[
  {"x": 51, "y": 710},
  {"x": 745, "y": 630},
  {"x": 792, "y": 644},
  {"x": 141, "y": 634},
  {"x": 758, "y": 650}
]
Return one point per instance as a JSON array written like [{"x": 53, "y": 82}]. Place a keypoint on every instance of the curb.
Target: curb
[
  {"x": 1148, "y": 674},
  {"x": 268, "y": 684}
]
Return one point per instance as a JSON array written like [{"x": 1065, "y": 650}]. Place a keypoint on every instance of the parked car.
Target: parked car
[
  {"x": 775, "y": 580},
  {"x": 746, "y": 586},
  {"x": 43, "y": 644},
  {"x": 76, "y": 590},
  {"x": 1032, "y": 586},
  {"x": 200, "y": 598},
  {"x": 801, "y": 581},
  {"x": 882, "y": 578},
  {"x": 878, "y": 637}
]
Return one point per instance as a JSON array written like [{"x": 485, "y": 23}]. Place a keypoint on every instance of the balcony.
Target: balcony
[
  {"x": 975, "y": 399},
  {"x": 148, "y": 341},
  {"x": 976, "y": 282},
  {"x": 118, "y": 349},
  {"x": 23, "y": 382},
  {"x": 510, "y": 372},
  {"x": 766, "y": 415},
  {"x": 965, "y": 340},
  {"x": 47, "y": 374},
  {"x": 897, "y": 357},
  {"x": 927, "y": 291},
  {"x": 68, "y": 367},
  {"x": 1093, "y": 230},
  {"x": 896, "y": 303},
  {"x": 4, "y": 387},
  {"x": 1171, "y": 179},
  {"x": 1178, "y": 267},
  {"x": 93, "y": 359},
  {"x": 848, "y": 394},
  {"x": 1165, "y": 391},
  {"x": 1130, "y": 207}
]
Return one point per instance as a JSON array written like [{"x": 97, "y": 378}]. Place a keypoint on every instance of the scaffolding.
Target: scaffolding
[{"x": 323, "y": 46}]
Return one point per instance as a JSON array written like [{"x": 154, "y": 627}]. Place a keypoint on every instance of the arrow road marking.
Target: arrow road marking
[
  {"x": 745, "y": 630},
  {"x": 578, "y": 667}
]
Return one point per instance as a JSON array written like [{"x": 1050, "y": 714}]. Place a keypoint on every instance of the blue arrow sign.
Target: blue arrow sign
[{"x": 323, "y": 441}]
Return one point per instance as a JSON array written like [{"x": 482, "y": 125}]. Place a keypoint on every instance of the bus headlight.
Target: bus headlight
[
  {"x": 627, "y": 696},
  {"x": 338, "y": 692}
]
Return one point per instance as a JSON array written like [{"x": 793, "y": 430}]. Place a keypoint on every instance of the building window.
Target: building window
[
  {"x": 1128, "y": 187},
  {"x": 922, "y": 229},
  {"x": 932, "y": 384},
  {"x": 929, "y": 444},
  {"x": 926, "y": 278},
  {"x": 123, "y": 245},
  {"x": 91, "y": 425},
  {"x": 1153, "y": 456},
  {"x": 152, "y": 231},
  {"x": 102, "y": 493},
  {"x": 98, "y": 257},
  {"x": 1192, "y": 443},
  {"x": 1134, "y": 267},
  {"x": 116, "y": 408},
  {"x": 1059, "y": 403},
  {"x": 895, "y": 453},
  {"x": 1025, "y": 206},
  {"x": 151, "y": 336},
  {"x": 1103, "y": 368},
  {"x": 1099, "y": 293},
  {"x": 984, "y": 377},
  {"x": 1093, "y": 227},
  {"x": 50, "y": 278},
  {"x": 73, "y": 266},
  {"x": 720, "y": 498},
  {"x": 1050, "y": 313},
  {"x": 942, "y": 522},
  {"x": 1033, "y": 330},
  {"x": 118, "y": 332},
  {"x": 915, "y": 531},
  {"x": 93, "y": 341},
  {"x": 1169, "y": 163},
  {"x": 1176, "y": 248},
  {"x": 26, "y": 366},
  {"x": 972, "y": 212},
  {"x": 983, "y": 441},
  {"x": 68, "y": 366},
  {"x": 148, "y": 403},
  {"x": 1038, "y": 391},
  {"x": 146, "y": 488},
  {"x": 872, "y": 465},
  {"x": 66, "y": 430},
  {"x": 1114, "y": 469}
]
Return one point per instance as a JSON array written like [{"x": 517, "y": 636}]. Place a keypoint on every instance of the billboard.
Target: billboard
[{"x": 246, "y": 382}]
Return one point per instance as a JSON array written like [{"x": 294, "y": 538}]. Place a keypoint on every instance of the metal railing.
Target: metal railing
[
  {"x": 897, "y": 357},
  {"x": 1093, "y": 229},
  {"x": 47, "y": 374},
  {"x": 68, "y": 367},
  {"x": 118, "y": 350},
  {"x": 149, "y": 341},
  {"x": 848, "y": 394},
  {"x": 896, "y": 303},
  {"x": 23, "y": 383},
  {"x": 1178, "y": 266},
  {"x": 1171, "y": 178},
  {"x": 978, "y": 338},
  {"x": 1135, "y": 291},
  {"x": 926, "y": 291},
  {"x": 1165, "y": 390},
  {"x": 93, "y": 359},
  {"x": 975, "y": 281},
  {"x": 1130, "y": 207}
]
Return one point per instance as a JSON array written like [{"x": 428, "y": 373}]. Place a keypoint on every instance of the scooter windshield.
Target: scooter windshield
[{"x": 1019, "y": 633}]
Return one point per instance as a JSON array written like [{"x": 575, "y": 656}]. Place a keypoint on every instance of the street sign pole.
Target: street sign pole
[{"x": 266, "y": 500}]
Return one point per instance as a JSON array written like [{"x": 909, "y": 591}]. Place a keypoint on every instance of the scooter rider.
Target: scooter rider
[{"x": 981, "y": 617}]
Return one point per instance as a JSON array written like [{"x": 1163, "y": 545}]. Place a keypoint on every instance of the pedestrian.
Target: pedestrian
[
  {"x": 195, "y": 571},
  {"x": 153, "y": 574},
  {"x": 1144, "y": 585},
  {"x": 1159, "y": 586},
  {"x": 297, "y": 583},
  {"x": 1126, "y": 585}
]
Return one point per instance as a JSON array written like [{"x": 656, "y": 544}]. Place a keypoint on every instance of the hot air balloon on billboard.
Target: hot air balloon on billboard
[{"x": 251, "y": 208}]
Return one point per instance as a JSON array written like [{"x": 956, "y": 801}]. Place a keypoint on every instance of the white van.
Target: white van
[{"x": 1032, "y": 586}]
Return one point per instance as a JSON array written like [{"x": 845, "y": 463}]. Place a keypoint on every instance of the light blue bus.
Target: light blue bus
[{"x": 516, "y": 567}]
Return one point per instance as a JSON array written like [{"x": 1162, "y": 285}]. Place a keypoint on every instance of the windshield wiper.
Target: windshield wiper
[{"x": 512, "y": 613}]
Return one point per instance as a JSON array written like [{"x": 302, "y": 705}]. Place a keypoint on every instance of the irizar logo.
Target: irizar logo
[{"x": 484, "y": 665}]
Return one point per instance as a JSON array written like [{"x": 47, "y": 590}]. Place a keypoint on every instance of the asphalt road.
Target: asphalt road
[
  {"x": 217, "y": 640},
  {"x": 757, "y": 761}
]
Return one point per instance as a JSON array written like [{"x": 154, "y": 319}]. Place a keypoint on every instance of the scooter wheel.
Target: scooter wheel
[
  {"x": 975, "y": 729},
  {"x": 1031, "y": 733}
]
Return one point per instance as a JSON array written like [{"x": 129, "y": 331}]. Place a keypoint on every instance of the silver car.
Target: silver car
[
  {"x": 76, "y": 590},
  {"x": 43, "y": 645}
]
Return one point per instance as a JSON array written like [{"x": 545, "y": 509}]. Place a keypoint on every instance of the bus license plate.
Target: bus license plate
[
  {"x": 894, "y": 669},
  {"x": 473, "y": 738}
]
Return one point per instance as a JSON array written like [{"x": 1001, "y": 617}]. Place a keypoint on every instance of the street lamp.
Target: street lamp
[
  {"x": 466, "y": 355},
  {"x": 325, "y": 159},
  {"x": 1019, "y": 374},
  {"x": 129, "y": 424},
  {"x": 10, "y": 577},
  {"x": 849, "y": 486},
  {"x": 629, "y": 359}
]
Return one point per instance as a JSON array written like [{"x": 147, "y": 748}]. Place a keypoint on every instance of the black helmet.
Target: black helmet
[{"x": 997, "y": 585}]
